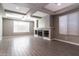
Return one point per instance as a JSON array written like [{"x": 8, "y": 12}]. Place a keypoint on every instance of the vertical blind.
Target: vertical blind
[
  {"x": 63, "y": 24},
  {"x": 69, "y": 24}
]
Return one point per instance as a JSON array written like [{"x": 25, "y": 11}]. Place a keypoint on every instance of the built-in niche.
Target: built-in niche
[
  {"x": 46, "y": 33},
  {"x": 40, "y": 33}
]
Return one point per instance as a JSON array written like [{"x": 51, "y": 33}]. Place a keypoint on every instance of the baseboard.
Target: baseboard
[{"x": 67, "y": 42}]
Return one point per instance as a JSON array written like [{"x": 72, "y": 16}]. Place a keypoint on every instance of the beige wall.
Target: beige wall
[
  {"x": 65, "y": 37},
  {"x": 8, "y": 28}
]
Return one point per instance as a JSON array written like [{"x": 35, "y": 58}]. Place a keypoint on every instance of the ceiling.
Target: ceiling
[
  {"x": 31, "y": 8},
  {"x": 39, "y": 14},
  {"x": 55, "y": 7}
]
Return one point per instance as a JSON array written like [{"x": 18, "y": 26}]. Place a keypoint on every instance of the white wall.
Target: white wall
[
  {"x": 44, "y": 22},
  {"x": 0, "y": 25}
]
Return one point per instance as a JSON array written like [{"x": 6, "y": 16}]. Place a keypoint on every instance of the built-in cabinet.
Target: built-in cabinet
[{"x": 42, "y": 33}]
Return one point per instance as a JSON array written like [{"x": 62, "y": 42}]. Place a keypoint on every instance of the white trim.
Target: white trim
[
  {"x": 47, "y": 38},
  {"x": 67, "y": 42},
  {"x": 35, "y": 35}
]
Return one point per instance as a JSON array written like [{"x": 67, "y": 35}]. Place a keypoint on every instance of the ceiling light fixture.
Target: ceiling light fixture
[{"x": 17, "y": 7}]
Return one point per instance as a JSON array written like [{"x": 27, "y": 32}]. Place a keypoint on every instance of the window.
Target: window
[{"x": 20, "y": 26}]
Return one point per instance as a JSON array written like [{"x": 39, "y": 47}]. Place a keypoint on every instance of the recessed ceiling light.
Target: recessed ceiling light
[
  {"x": 58, "y": 4},
  {"x": 17, "y": 7}
]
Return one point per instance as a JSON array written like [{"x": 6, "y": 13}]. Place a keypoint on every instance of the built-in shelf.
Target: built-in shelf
[{"x": 43, "y": 33}]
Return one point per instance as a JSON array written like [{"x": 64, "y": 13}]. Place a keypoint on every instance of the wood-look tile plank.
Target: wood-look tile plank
[{"x": 33, "y": 46}]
